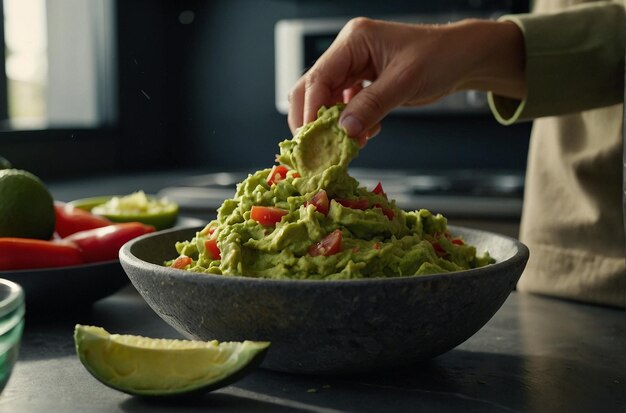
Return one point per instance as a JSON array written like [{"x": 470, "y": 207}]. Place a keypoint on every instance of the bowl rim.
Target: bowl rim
[
  {"x": 520, "y": 257},
  {"x": 14, "y": 298}
]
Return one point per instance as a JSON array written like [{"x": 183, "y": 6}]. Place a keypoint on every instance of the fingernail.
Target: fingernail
[
  {"x": 351, "y": 125},
  {"x": 372, "y": 133}
]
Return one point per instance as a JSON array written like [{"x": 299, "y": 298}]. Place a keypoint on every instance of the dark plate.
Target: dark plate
[{"x": 68, "y": 288}]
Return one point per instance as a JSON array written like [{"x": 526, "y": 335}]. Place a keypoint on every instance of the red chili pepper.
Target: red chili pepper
[
  {"x": 70, "y": 219},
  {"x": 103, "y": 244},
  {"x": 26, "y": 253}
]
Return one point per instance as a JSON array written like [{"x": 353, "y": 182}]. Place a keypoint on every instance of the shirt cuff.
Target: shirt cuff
[{"x": 574, "y": 62}]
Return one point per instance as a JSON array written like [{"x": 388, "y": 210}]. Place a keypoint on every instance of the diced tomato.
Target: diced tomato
[
  {"x": 277, "y": 174},
  {"x": 458, "y": 241},
  {"x": 213, "y": 249},
  {"x": 357, "y": 203},
  {"x": 439, "y": 249},
  {"x": 376, "y": 245},
  {"x": 320, "y": 202},
  {"x": 387, "y": 211},
  {"x": 378, "y": 190},
  {"x": 181, "y": 262},
  {"x": 329, "y": 245},
  {"x": 266, "y": 215},
  {"x": 208, "y": 231},
  {"x": 295, "y": 175}
]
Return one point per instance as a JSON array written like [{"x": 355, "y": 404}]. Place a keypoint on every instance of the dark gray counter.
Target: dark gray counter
[{"x": 535, "y": 355}]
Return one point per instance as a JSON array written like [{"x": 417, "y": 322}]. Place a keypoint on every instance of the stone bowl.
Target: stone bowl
[{"x": 328, "y": 327}]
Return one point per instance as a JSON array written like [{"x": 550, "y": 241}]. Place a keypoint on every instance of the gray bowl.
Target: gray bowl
[{"x": 328, "y": 327}]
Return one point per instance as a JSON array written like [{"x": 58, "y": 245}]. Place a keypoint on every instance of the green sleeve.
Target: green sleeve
[{"x": 574, "y": 62}]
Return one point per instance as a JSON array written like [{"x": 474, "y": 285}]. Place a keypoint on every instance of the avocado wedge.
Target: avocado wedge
[{"x": 144, "y": 366}]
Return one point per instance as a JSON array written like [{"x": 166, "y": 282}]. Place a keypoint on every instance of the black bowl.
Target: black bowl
[{"x": 328, "y": 327}]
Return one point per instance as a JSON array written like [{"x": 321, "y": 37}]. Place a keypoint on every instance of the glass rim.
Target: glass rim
[{"x": 14, "y": 298}]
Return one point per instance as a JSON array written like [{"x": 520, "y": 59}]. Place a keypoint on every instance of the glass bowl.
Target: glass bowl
[{"x": 12, "y": 311}]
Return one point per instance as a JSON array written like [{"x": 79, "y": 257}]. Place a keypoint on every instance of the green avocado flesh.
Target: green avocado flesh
[
  {"x": 377, "y": 238},
  {"x": 164, "y": 367}
]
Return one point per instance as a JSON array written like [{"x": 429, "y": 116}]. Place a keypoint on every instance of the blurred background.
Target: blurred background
[{"x": 102, "y": 88}]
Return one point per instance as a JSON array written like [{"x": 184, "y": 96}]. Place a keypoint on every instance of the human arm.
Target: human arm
[
  {"x": 408, "y": 65},
  {"x": 574, "y": 62}
]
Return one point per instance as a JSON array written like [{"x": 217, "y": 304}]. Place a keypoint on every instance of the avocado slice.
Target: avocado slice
[
  {"x": 319, "y": 145},
  {"x": 143, "y": 366}
]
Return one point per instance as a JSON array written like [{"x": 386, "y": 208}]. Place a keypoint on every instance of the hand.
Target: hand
[{"x": 408, "y": 65}]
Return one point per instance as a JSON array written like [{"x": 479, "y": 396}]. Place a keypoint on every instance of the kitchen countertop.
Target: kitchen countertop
[{"x": 536, "y": 354}]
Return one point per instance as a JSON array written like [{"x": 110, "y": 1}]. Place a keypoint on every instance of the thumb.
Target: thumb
[{"x": 370, "y": 105}]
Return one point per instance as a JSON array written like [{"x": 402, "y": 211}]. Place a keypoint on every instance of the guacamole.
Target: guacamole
[{"x": 307, "y": 218}]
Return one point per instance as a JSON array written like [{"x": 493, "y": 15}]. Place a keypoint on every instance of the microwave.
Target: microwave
[{"x": 299, "y": 43}]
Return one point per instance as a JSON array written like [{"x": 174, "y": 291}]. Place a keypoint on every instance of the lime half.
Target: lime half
[
  {"x": 164, "y": 367},
  {"x": 158, "y": 212},
  {"x": 88, "y": 204}
]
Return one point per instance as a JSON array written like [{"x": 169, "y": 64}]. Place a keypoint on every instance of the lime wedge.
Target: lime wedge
[
  {"x": 158, "y": 212},
  {"x": 164, "y": 367}
]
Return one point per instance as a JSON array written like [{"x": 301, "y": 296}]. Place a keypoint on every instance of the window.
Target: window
[
  {"x": 59, "y": 64},
  {"x": 58, "y": 90}
]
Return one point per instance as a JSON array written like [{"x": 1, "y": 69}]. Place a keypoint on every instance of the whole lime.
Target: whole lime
[{"x": 26, "y": 206}]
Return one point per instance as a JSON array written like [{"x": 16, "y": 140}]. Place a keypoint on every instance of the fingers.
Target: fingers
[
  {"x": 342, "y": 66},
  {"x": 364, "y": 137},
  {"x": 317, "y": 93},
  {"x": 296, "y": 107},
  {"x": 296, "y": 113},
  {"x": 305, "y": 99},
  {"x": 349, "y": 93},
  {"x": 369, "y": 106},
  {"x": 338, "y": 76}
]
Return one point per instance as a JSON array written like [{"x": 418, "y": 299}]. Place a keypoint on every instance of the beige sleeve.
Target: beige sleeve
[{"x": 574, "y": 62}]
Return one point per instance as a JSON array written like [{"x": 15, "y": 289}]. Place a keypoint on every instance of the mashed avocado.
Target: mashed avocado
[{"x": 307, "y": 218}]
